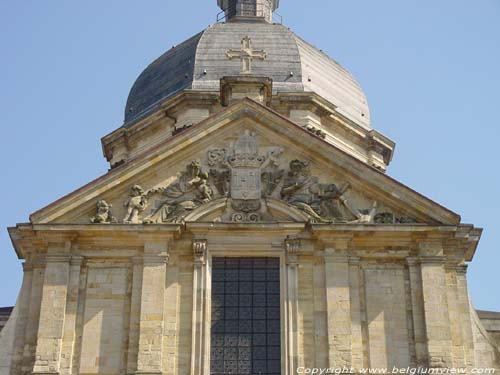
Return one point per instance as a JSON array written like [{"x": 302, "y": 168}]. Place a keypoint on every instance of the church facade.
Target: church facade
[{"x": 246, "y": 226}]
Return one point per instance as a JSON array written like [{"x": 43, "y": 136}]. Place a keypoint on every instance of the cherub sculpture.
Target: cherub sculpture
[
  {"x": 103, "y": 215},
  {"x": 135, "y": 205}
]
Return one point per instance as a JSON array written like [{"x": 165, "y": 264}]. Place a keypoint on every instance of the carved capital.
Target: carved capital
[
  {"x": 292, "y": 248},
  {"x": 200, "y": 251}
]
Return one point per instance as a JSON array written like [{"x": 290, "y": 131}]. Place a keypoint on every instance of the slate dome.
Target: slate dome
[{"x": 293, "y": 64}]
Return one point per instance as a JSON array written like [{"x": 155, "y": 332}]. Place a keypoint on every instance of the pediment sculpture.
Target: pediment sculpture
[
  {"x": 190, "y": 191},
  {"x": 247, "y": 179}
]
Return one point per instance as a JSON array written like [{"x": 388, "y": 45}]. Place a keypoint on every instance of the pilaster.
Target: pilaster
[
  {"x": 437, "y": 322},
  {"x": 200, "y": 354},
  {"x": 356, "y": 329},
  {"x": 418, "y": 313},
  {"x": 28, "y": 352},
  {"x": 292, "y": 248},
  {"x": 69, "y": 334},
  {"x": 150, "y": 345},
  {"x": 338, "y": 299},
  {"x": 135, "y": 314},
  {"x": 52, "y": 313},
  {"x": 465, "y": 319}
]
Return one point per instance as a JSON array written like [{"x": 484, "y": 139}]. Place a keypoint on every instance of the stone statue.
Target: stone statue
[
  {"x": 135, "y": 205},
  {"x": 319, "y": 201},
  {"x": 189, "y": 191},
  {"x": 103, "y": 215}
]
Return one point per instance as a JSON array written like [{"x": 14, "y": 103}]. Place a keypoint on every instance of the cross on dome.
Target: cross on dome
[{"x": 246, "y": 55}]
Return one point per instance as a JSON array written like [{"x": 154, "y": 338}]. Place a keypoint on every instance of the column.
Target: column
[
  {"x": 200, "y": 353},
  {"x": 52, "y": 314},
  {"x": 437, "y": 322},
  {"x": 292, "y": 248},
  {"x": 155, "y": 260},
  {"x": 417, "y": 304},
  {"x": 338, "y": 301}
]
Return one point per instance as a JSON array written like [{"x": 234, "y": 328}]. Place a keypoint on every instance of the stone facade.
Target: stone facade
[{"x": 117, "y": 275}]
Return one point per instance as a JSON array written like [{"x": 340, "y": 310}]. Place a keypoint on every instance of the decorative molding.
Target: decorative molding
[
  {"x": 200, "y": 251},
  {"x": 432, "y": 260},
  {"x": 292, "y": 248},
  {"x": 58, "y": 258}
]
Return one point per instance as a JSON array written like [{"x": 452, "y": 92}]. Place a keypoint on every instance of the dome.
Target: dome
[{"x": 293, "y": 64}]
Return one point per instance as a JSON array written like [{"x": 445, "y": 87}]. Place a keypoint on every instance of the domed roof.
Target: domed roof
[{"x": 293, "y": 64}]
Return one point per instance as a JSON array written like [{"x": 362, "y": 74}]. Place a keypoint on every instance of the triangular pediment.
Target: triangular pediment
[{"x": 245, "y": 164}]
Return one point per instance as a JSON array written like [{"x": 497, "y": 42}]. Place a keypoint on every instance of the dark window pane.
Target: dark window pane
[
  {"x": 259, "y": 366},
  {"x": 273, "y": 352},
  {"x": 273, "y": 339},
  {"x": 231, "y": 313},
  {"x": 259, "y": 352},
  {"x": 259, "y": 287},
  {"x": 246, "y": 316},
  {"x": 245, "y": 312},
  {"x": 245, "y": 340},
  {"x": 245, "y": 287},
  {"x": 273, "y": 313},
  {"x": 259, "y": 300},
  {"x": 259, "y": 326},
  {"x": 231, "y": 300},
  {"x": 259, "y": 339},
  {"x": 259, "y": 313},
  {"x": 245, "y": 300},
  {"x": 259, "y": 275},
  {"x": 231, "y": 340},
  {"x": 273, "y": 326},
  {"x": 231, "y": 326},
  {"x": 245, "y": 326},
  {"x": 273, "y": 366}
]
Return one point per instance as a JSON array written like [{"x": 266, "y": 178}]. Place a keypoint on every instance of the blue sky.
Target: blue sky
[{"x": 430, "y": 69}]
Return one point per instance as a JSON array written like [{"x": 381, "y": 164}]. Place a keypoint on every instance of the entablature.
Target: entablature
[{"x": 368, "y": 241}]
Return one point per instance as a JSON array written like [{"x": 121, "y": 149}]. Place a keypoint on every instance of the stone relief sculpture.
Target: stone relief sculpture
[
  {"x": 245, "y": 179},
  {"x": 103, "y": 215},
  {"x": 135, "y": 205},
  {"x": 246, "y": 176},
  {"x": 189, "y": 191},
  {"x": 322, "y": 202}
]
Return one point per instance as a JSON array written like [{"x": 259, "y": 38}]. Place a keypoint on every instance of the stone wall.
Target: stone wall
[
  {"x": 7, "y": 336},
  {"x": 4, "y": 316}
]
